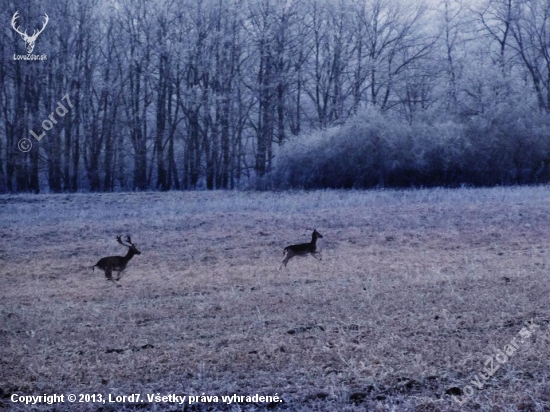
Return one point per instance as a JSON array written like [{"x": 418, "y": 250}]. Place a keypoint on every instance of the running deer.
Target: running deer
[
  {"x": 117, "y": 263},
  {"x": 302, "y": 249}
]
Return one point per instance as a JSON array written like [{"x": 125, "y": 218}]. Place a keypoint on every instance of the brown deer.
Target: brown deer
[
  {"x": 117, "y": 263},
  {"x": 302, "y": 249}
]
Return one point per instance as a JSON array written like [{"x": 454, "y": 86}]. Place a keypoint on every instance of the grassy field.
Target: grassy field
[{"x": 416, "y": 290}]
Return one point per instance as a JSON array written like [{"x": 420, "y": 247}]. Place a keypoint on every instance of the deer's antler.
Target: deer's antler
[
  {"x": 128, "y": 240},
  {"x": 13, "y": 21},
  {"x": 36, "y": 33}
]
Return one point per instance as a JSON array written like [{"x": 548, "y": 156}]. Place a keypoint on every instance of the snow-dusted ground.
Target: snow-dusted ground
[{"x": 416, "y": 290}]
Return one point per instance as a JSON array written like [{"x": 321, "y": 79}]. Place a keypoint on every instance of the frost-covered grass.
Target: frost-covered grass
[{"x": 416, "y": 289}]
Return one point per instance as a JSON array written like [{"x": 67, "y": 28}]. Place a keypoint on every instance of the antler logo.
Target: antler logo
[{"x": 29, "y": 40}]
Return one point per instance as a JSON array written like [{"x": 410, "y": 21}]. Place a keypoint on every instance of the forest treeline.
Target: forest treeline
[{"x": 219, "y": 94}]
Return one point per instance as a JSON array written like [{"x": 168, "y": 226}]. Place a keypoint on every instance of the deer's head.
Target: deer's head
[
  {"x": 130, "y": 245},
  {"x": 29, "y": 40}
]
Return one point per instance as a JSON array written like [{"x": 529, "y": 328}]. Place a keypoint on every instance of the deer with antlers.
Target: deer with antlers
[
  {"x": 117, "y": 263},
  {"x": 29, "y": 40}
]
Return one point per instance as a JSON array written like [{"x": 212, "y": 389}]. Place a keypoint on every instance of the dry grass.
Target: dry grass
[{"x": 409, "y": 301}]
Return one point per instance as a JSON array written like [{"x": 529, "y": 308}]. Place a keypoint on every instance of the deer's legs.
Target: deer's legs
[
  {"x": 314, "y": 254},
  {"x": 108, "y": 273},
  {"x": 289, "y": 255}
]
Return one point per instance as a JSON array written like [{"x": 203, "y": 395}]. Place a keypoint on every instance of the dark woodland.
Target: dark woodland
[{"x": 261, "y": 94}]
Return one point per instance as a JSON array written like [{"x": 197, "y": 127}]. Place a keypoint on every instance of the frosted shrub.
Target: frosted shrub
[{"x": 378, "y": 150}]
